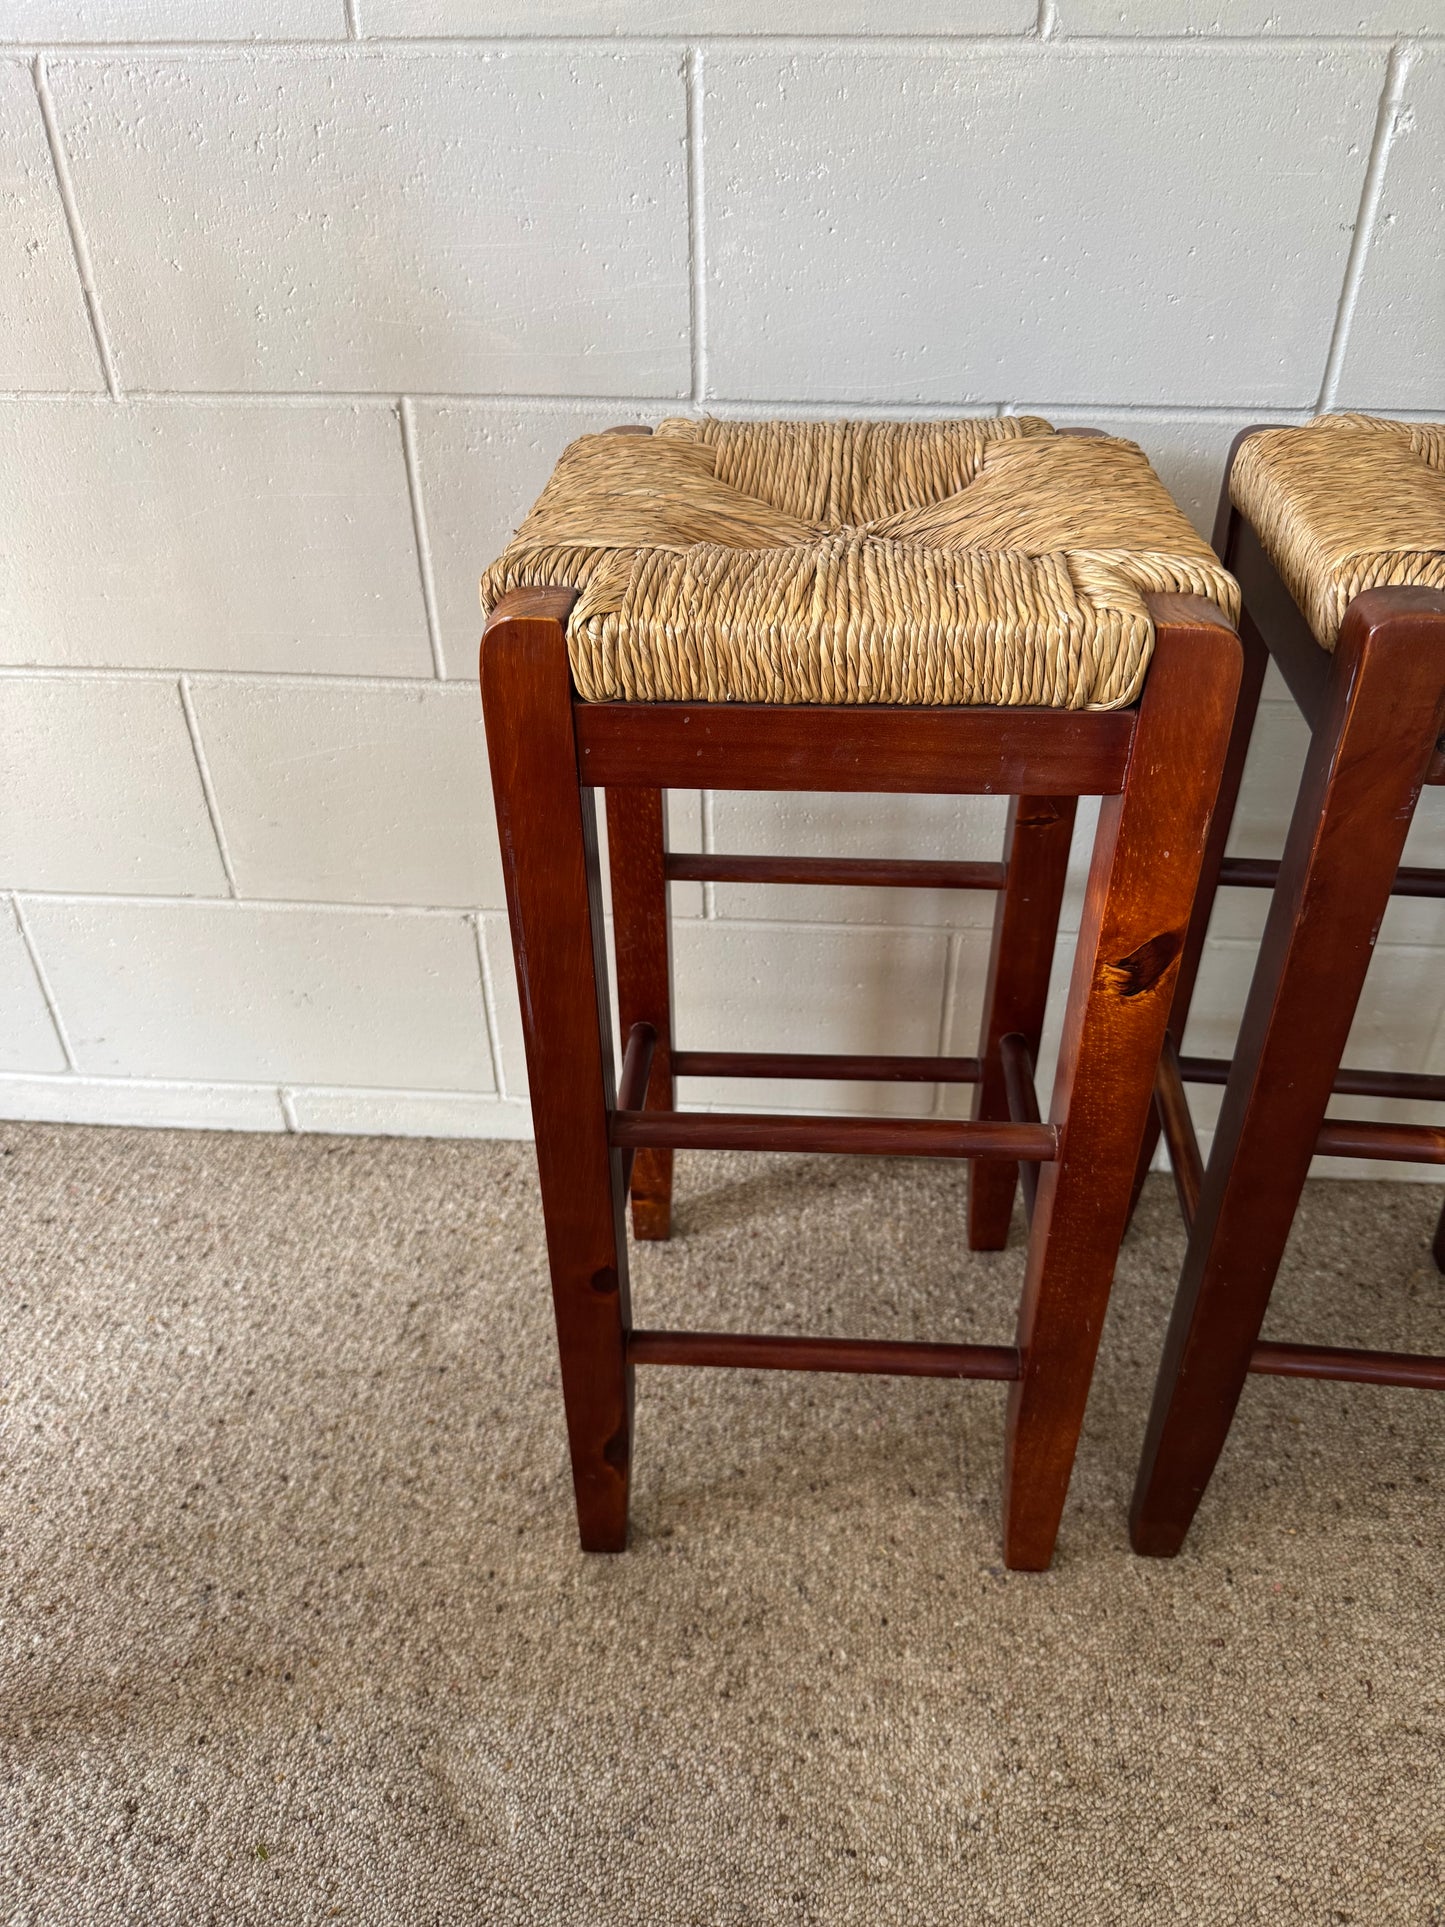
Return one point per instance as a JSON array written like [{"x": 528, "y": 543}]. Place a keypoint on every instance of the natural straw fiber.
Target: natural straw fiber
[
  {"x": 859, "y": 562},
  {"x": 1350, "y": 502}
]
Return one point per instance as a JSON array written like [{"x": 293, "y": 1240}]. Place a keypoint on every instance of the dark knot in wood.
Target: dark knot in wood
[{"x": 1142, "y": 968}]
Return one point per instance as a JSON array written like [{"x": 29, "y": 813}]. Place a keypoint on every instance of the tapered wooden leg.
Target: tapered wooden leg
[
  {"x": 1025, "y": 930},
  {"x": 1437, "y": 1243},
  {"x": 636, "y": 845},
  {"x": 1136, "y": 913},
  {"x": 1371, "y": 746},
  {"x": 1256, "y": 662},
  {"x": 549, "y": 859}
]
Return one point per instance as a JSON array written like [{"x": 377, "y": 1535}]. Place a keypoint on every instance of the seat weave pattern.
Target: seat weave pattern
[
  {"x": 950, "y": 562},
  {"x": 1348, "y": 503}
]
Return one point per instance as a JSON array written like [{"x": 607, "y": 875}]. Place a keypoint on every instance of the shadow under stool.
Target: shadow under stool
[
  {"x": 1336, "y": 533},
  {"x": 958, "y": 608}
]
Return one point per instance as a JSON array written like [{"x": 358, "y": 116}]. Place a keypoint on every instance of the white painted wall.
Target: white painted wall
[{"x": 299, "y": 308}]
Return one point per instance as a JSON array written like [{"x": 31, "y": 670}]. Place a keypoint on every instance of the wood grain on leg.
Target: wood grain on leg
[
  {"x": 1136, "y": 914},
  {"x": 549, "y": 859},
  {"x": 1025, "y": 930},
  {"x": 637, "y": 852},
  {"x": 1256, "y": 661},
  {"x": 1372, "y": 745}
]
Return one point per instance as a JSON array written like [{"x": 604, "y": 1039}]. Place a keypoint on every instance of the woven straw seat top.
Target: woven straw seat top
[
  {"x": 1348, "y": 503},
  {"x": 952, "y": 562}
]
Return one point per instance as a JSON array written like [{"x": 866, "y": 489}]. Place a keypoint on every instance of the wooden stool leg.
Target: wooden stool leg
[
  {"x": 1437, "y": 1243},
  {"x": 636, "y": 845},
  {"x": 1136, "y": 912},
  {"x": 1371, "y": 747},
  {"x": 549, "y": 859},
  {"x": 1256, "y": 661},
  {"x": 1025, "y": 930}
]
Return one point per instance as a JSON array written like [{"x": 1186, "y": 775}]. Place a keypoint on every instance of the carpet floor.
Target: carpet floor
[{"x": 294, "y": 1628}]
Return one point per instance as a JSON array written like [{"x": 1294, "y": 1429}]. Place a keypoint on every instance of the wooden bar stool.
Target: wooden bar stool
[
  {"x": 1336, "y": 533},
  {"x": 962, "y": 607}
]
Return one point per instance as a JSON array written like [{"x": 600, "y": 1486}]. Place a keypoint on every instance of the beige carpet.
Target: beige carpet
[{"x": 294, "y": 1629}]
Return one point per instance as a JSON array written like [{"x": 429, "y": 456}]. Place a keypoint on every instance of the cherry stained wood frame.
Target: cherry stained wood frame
[
  {"x": 1157, "y": 768},
  {"x": 1376, "y": 709}
]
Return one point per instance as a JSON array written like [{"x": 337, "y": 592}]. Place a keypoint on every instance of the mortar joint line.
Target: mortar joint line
[
  {"x": 79, "y": 246},
  {"x": 41, "y": 977},
  {"x": 697, "y": 250},
  {"x": 208, "y": 788},
  {"x": 1047, "y": 21},
  {"x": 1372, "y": 190},
  {"x": 287, "y": 1100},
  {"x": 420, "y": 535},
  {"x": 489, "y": 1007},
  {"x": 351, "y": 12}
]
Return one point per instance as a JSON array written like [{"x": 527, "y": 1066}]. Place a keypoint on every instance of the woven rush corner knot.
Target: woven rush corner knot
[{"x": 969, "y": 561}]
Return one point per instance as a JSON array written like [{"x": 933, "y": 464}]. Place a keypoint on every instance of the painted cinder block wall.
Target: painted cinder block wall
[{"x": 299, "y": 308}]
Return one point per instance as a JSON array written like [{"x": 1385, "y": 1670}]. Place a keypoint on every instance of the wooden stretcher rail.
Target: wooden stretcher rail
[
  {"x": 893, "y": 873},
  {"x": 1351, "y": 1137},
  {"x": 1421, "y": 1086},
  {"x": 1261, "y": 873},
  {"x": 888, "y": 1358},
  {"x": 824, "y": 1065},
  {"x": 1023, "y": 1104},
  {"x": 632, "y": 1084},
  {"x": 1179, "y": 1135},
  {"x": 905, "y": 1137},
  {"x": 1421, "y": 1371}
]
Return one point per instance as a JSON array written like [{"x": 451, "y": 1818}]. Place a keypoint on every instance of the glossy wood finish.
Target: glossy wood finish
[
  {"x": 1164, "y": 757},
  {"x": 908, "y": 1137},
  {"x": 815, "y": 746},
  {"x": 1419, "y": 1371},
  {"x": 1357, "y": 1137},
  {"x": 554, "y": 901},
  {"x": 1172, "y": 1109},
  {"x": 1016, "y": 989},
  {"x": 1023, "y": 1105},
  {"x": 642, "y": 943},
  {"x": 825, "y": 1064},
  {"x": 1372, "y": 747},
  {"x": 854, "y": 872},
  {"x": 1262, "y": 873},
  {"x": 1423, "y": 1087},
  {"x": 892, "y": 1358},
  {"x": 1141, "y": 886},
  {"x": 1255, "y": 660},
  {"x": 632, "y": 1084}
]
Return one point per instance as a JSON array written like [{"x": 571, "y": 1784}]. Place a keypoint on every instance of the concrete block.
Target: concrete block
[
  {"x": 345, "y": 793},
  {"x": 968, "y": 225},
  {"x": 102, "y": 789},
  {"x": 46, "y": 341},
  {"x": 153, "y": 1101},
  {"x": 53, "y": 22},
  {"x": 1395, "y": 354},
  {"x": 241, "y": 993},
  {"x": 225, "y": 537},
  {"x": 27, "y": 1036},
  {"x": 396, "y": 221}
]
